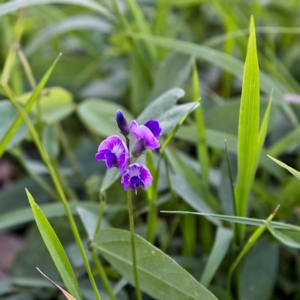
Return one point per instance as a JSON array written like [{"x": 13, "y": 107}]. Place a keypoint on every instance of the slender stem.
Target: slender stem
[
  {"x": 102, "y": 275},
  {"x": 131, "y": 224},
  {"x": 27, "y": 68},
  {"x": 57, "y": 184}
]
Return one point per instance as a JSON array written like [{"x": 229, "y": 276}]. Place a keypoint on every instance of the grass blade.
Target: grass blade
[
  {"x": 264, "y": 126},
  {"x": 239, "y": 220},
  {"x": 221, "y": 245},
  {"x": 248, "y": 132},
  {"x": 55, "y": 249},
  {"x": 10, "y": 133},
  {"x": 291, "y": 170},
  {"x": 202, "y": 152}
]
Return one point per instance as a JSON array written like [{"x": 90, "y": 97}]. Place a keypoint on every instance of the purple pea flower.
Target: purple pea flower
[
  {"x": 136, "y": 175},
  {"x": 122, "y": 123},
  {"x": 114, "y": 151},
  {"x": 146, "y": 136}
]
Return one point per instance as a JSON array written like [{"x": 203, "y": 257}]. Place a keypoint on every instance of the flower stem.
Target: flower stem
[
  {"x": 102, "y": 275},
  {"x": 131, "y": 224}
]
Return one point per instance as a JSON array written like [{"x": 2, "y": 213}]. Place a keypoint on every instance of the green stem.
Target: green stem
[
  {"x": 27, "y": 68},
  {"x": 57, "y": 185},
  {"x": 131, "y": 224},
  {"x": 102, "y": 275}
]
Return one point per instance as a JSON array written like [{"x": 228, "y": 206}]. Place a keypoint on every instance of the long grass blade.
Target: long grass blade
[
  {"x": 248, "y": 133},
  {"x": 10, "y": 133},
  {"x": 55, "y": 249}
]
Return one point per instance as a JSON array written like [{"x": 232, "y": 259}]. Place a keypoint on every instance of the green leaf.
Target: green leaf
[
  {"x": 173, "y": 72},
  {"x": 56, "y": 104},
  {"x": 202, "y": 151},
  {"x": 288, "y": 238},
  {"x": 240, "y": 220},
  {"x": 175, "y": 116},
  {"x": 291, "y": 170},
  {"x": 160, "y": 105},
  {"x": 8, "y": 115},
  {"x": 264, "y": 126},
  {"x": 220, "y": 248},
  {"x": 55, "y": 249},
  {"x": 159, "y": 275},
  {"x": 99, "y": 116},
  {"x": 248, "y": 132},
  {"x": 15, "y": 5},
  {"x": 111, "y": 175},
  {"x": 14, "y": 127},
  {"x": 260, "y": 271}
]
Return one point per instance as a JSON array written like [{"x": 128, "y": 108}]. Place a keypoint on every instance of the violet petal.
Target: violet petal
[
  {"x": 154, "y": 126},
  {"x": 114, "y": 151}
]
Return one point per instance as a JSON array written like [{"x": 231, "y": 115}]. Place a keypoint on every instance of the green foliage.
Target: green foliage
[
  {"x": 170, "y": 282},
  {"x": 55, "y": 249},
  {"x": 248, "y": 132}
]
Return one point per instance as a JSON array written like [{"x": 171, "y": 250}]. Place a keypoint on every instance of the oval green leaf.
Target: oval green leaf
[
  {"x": 159, "y": 275},
  {"x": 56, "y": 104},
  {"x": 99, "y": 116}
]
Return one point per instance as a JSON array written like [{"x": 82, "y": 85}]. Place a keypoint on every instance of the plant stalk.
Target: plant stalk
[{"x": 131, "y": 224}]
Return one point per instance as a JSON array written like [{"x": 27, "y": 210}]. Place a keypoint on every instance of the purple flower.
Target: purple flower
[
  {"x": 114, "y": 151},
  {"x": 122, "y": 123},
  {"x": 146, "y": 136},
  {"x": 136, "y": 175}
]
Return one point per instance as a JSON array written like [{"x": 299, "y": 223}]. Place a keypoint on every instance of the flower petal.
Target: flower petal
[
  {"x": 154, "y": 126},
  {"x": 136, "y": 175},
  {"x": 114, "y": 151},
  {"x": 143, "y": 132}
]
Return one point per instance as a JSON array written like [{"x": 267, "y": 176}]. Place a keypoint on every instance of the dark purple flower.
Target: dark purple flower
[
  {"x": 146, "y": 136},
  {"x": 114, "y": 151},
  {"x": 122, "y": 123},
  {"x": 136, "y": 175}
]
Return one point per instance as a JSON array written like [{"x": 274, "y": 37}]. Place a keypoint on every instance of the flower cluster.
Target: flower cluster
[{"x": 115, "y": 152}]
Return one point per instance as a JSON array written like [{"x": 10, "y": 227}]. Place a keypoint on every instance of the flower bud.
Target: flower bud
[{"x": 122, "y": 123}]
